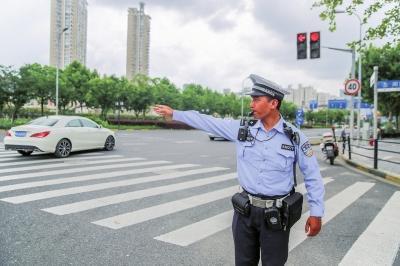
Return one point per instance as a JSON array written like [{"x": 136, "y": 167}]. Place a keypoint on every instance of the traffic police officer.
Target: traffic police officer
[{"x": 265, "y": 171}]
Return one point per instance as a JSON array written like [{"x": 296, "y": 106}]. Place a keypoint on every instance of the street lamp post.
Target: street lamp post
[
  {"x": 359, "y": 74},
  {"x": 58, "y": 64},
  {"x": 353, "y": 69}
]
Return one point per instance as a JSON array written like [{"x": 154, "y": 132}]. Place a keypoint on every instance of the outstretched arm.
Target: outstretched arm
[{"x": 221, "y": 127}]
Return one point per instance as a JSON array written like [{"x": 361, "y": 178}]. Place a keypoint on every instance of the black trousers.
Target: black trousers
[{"x": 250, "y": 235}]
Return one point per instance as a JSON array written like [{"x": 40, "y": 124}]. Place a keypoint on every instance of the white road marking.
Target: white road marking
[
  {"x": 131, "y": 218},
  {"x": 195, "y": 232},
  {"x": 107, "y": 185},
  {"x": 58, "y": 160},
  {"x": 333, "y": 207},
  {"x": 97, "y": 176},
  {"x": 379, "y": 243},
  {"x": 67, "y": 163},
  {"x": 124, "y": 197},
  {"x": 37, "y": 155},
  {"x": 74, "y": 170},
  {"x": 6, "y": 154}
]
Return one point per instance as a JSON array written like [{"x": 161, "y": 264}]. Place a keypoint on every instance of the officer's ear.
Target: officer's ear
[{"x": 275, "y": 103}]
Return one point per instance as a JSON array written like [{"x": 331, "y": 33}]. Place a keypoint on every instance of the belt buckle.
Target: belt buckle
[{"x": 257, "y": 202}]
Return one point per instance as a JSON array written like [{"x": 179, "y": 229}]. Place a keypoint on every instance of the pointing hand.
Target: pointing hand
[{"x": 164, "y": 111}]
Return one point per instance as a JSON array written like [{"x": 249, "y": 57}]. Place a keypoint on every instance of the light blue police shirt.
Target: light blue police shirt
[{"x": 265, "y": 165}]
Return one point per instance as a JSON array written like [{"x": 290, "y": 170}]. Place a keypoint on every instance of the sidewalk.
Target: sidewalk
[{"x": 386, "y": 170}]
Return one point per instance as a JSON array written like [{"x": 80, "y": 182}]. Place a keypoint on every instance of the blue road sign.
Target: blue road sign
[
  {"x": 299, "y": 116},
  {"x": 313, "y": 104},
  {"x": 337, "y": 104},
  {"x": 388, "y": 85},
  {"x": 299, "y": 112},
  {"x": 299, "y": 121}
]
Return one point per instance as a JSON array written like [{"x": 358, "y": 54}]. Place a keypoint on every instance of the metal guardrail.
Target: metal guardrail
[{"x": 374, "y": 143}]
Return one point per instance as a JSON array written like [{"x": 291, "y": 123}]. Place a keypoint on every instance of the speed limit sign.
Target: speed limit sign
[{"x": 352, "y": 87}]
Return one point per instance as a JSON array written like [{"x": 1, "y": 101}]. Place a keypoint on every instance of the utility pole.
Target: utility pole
[
  {"x": 353, "y": 73},
  {"x": 58, "y": 63}
]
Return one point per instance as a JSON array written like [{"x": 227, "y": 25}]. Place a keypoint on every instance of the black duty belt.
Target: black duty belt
[{"x": 266, "y": 201}]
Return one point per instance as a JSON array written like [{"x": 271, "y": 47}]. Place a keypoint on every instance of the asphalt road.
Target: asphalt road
[{"x": 162, "y": 197}]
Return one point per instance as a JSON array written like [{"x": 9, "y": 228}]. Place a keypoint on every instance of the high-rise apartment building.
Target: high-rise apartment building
[
  {"x": 138, "y": 42},
  {"x": 68, "y": 45}
]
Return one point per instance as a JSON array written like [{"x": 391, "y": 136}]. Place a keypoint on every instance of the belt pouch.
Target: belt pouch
[
  {"x": 292, "y": 206},
  {"x": 241, "y": 203}
]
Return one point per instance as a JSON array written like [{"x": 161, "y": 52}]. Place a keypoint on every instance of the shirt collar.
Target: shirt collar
[{"x": 278, "y": 126}]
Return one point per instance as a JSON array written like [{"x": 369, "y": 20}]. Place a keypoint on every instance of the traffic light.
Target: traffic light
[
  {"x": 315, "y": 45},
  {"x": 302, "y": 45}
]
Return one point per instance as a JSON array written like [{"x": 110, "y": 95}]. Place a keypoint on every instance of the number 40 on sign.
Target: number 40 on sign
[{"x": 351, "y": 87}]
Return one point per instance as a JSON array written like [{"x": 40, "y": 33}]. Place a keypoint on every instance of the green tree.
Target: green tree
[
  {"x": 191, "y": 97},
  {"x": 387, "y": 59},
  {"x": 102, "y": 94},
  {"x": 4, "y": 87},
  {"x": 143, "y": 95},
  {"x": 77, "y": 78},
  {"x": 166, "y": 93},
  {"x": 389, "y": 26},
  {"x": 14, "y": 83},
  {"x": 288, "y": 110}
]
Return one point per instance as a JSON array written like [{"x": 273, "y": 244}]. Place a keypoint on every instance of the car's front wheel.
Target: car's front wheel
[
  {"x": 24, "y": 153},
  {"x": 109, "y": 144},
  {"x": 63, "y": 148}
]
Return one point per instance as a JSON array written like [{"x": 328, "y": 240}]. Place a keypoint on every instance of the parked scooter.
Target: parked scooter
[{"x": 329, "y": 146}]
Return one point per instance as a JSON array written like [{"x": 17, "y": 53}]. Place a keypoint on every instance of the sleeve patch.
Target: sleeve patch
[{"x": 306, "y": 149}]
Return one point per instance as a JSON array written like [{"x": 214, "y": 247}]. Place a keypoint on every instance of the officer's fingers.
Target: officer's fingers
[
  {"x": 307, "y": 226},
  {"x": 315, "y": 228}
]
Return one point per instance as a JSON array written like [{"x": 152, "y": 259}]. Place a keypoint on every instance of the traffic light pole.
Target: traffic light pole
[{"x": 353, "y": 74}]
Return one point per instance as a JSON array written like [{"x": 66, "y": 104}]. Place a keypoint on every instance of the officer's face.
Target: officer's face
[{"x": 262, "y": 106}]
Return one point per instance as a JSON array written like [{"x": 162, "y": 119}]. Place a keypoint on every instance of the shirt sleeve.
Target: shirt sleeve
[
  {"x": 312, "y": 177},
  {"x": 227, "y": 129}
]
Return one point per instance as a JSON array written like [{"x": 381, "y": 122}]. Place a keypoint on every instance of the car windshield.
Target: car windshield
[{"x": 44, "y": 121}]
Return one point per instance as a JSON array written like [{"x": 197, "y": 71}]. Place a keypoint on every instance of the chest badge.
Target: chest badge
[{"x": 287, "y": 147}]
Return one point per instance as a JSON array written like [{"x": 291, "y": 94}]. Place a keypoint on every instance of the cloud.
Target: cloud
[{"x": 213, "y": 43}]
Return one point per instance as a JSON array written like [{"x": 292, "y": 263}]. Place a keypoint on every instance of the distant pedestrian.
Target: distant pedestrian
[{"x": 343, "y": 136}]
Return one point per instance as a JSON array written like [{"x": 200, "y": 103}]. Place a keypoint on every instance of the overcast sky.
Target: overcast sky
[{"x": 213, "y": 43}]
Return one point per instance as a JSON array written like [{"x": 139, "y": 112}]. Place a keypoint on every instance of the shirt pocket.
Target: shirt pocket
[
  {"x": 251, "y": 155},
  {"x": 283, "y": 160}
]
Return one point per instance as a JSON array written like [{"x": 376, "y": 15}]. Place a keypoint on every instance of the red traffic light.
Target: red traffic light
[
  {"x": 301, "y": 37},
  {"x": 314, "y": 36}
]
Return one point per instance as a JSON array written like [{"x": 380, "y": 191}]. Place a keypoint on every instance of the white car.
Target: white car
[{"x": 60, "y": 135}]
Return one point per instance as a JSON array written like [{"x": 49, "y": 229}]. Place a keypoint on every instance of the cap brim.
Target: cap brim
[{"x": 257, "y": 93}]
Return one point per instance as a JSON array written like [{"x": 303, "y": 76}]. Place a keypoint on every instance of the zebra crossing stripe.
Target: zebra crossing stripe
[
  {"x": 131, "y": 218},
  {"x": 195, "y": 232},
  {"x": 7, "y": 154},
  {"x": 107, "y": 185},
  {"x": 97, "y": 176},
  {"x": 37, "y": 157},
  {"x": 379, "y": 243},
  {"x": 124, "y": 197},
  {"x": 54, "y": 160},
  {"x": 333, "y": 207},
  {"x": 75, "y": 162},
  {"x": 75, "y": 170}
]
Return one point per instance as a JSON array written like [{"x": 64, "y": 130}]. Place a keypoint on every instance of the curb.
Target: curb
[{"x": 382, "y": 174}]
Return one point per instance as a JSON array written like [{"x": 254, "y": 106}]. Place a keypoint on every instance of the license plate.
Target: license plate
[
  {"x": 20, "y": 133},
  {"x": 329, "y": 148}
]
